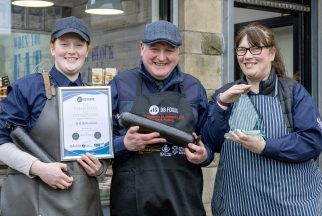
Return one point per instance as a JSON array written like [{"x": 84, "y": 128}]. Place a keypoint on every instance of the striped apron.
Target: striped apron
[{"x": 252, "y": 185}]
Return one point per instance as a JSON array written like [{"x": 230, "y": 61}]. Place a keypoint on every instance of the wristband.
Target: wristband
[{"x": 222, "y": 103}]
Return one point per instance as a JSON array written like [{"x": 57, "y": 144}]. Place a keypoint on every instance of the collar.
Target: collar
[
  {"x": 61, "y": 80},
  {"x": 266, "y": 87}
]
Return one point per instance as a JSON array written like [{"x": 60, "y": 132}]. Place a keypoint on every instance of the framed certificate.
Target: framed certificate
[{"x": 85, "y": 119}]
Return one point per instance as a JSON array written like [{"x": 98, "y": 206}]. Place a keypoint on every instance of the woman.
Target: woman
[
  {"x": 274, "y": 134},
  {"x": 39, "y": 188}
]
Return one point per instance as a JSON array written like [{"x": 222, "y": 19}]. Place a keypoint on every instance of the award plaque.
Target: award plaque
[{"x": 85, "y": 120}]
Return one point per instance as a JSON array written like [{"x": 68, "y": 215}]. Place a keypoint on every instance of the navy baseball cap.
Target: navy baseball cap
[
  {"x": 70, "y": 25},
  {"x": 162, "y": 31}
]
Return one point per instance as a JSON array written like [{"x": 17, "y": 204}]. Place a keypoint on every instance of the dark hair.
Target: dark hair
[{"x": 260, "y": 35}]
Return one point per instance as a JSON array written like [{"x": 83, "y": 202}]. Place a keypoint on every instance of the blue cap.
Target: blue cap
[
  {"x": 162, "y": 31},
  {"x": 70, "y": 25}
]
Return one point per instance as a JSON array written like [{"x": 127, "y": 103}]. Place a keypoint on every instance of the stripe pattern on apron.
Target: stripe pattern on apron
[{"x": 252, "y": 185}]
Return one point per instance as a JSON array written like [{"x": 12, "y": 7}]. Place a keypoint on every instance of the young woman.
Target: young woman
[{"x": 40, "y": 188}]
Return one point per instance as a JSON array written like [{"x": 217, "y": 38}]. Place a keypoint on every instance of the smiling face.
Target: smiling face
[
  {"x": 70, "y": 52},
  {"x": 256, "y": 67},
  {"x": 159, "y": 59}
]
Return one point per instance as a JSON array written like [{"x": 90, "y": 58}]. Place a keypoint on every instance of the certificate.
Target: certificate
[{"x": 85, "y": 120}]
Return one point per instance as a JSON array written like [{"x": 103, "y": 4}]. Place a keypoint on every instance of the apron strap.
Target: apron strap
[
  {"x": 139, "y": 86},
  {"x": 50, "y": 90}
]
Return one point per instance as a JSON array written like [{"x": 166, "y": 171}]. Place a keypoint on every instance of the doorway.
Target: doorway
[
  {"x": 296, "y": 27},
  {"x": 292, "y": 31},
  {"x": 284, "y": 29}
]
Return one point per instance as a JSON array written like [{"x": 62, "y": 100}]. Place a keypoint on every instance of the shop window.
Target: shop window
[
  {"x": 115, "y": 38},
  {"x": 165, "y": 10}
]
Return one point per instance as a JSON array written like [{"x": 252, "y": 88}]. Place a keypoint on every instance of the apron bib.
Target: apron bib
[{"x": 159, "y": 180}]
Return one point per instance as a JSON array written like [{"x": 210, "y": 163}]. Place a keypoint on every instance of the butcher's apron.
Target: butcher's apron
[
  {"x": 248, "y": 184},
  {"x": 21, "y": 195},
  {"x": 159, "y": 180}
]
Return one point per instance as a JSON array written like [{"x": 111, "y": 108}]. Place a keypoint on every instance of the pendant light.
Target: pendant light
[
  {"x": 104, "y": 7},
  {"x": 33, "y": 3}
]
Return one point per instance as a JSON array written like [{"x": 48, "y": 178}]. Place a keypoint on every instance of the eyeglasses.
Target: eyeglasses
[{"x": 255, "y": 50}]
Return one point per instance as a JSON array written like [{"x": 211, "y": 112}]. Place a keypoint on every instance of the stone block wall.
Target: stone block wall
[{"x": 200, "y": 26}]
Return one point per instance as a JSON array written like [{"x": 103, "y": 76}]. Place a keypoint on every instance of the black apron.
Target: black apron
[
  {"x": 159, "y": 180},
  {"x": 21, "y": 195}
]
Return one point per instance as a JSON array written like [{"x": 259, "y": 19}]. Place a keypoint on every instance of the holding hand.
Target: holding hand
[
  {"x": 232, "y": 94},
  {"x": 91, "y": 164},
  {"x": 135, "y": 141},
  {"x": 52, "y": 174},
  {"x": 255, "y": 143},
  {"x": 196, "y": 153}
]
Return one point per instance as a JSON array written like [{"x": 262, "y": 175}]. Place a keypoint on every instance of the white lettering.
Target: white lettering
[{"x": 172, "y": 110}]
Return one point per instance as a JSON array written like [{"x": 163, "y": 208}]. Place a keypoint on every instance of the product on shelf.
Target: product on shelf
[
  {"x": 97, "y": 76},
  {"x": 102, "y": 76},
  {"x": 4, "y": 81},
  {"x": 110, "y": 73}
]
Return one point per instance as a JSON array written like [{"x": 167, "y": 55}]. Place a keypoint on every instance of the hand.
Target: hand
[
  {"x": 233, "y": 93},
  {"x": 255, "y": 143},
  {"x": 196, "y": 153},
  {"x": 135, "y": 141},
  {"x": 52, "y": 174},
  {"x": 91, "y": 164}
]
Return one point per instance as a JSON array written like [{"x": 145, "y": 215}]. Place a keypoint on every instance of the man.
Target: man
[{"x": 151, "y": 176}]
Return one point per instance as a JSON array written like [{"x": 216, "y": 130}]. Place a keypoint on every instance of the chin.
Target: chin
[
  {"x": 71, "y": 72},
  {"x": 160, "y": 76},
  {"x": 250, "y": 73}
]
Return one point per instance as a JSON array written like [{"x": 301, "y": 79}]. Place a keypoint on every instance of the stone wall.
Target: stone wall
[{"x": 200, "y": 25}]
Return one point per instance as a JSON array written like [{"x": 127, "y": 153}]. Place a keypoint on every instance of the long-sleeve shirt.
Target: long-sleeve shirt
[
  {"x": 175, "y": 78},
  {"x": 303, "y": 144},
  {"x": 26, "y": 99}
]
